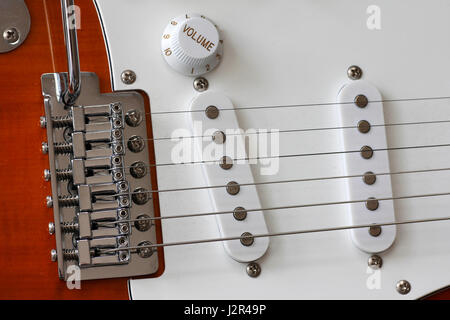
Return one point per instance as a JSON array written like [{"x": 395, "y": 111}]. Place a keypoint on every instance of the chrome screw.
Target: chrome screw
[
  {"x": 201, "y": 84},
  {"x": 49, "y": 201},
  {"x": 354, "y": 73},
  {"x": 53, "y": 255},
  {"x": 403, "y": 287},
  {"x": 253, "y": 269},
  {"x": 145, "y": 252},
  {"x": 133, "y": 118},
  {"x": 44, "y": 148},
  {"x": 128, "y": 77},
  {"x": 51, "y": 228},
  {"x": 43, "y": 122},
  {"x": 11, "y": 35},
  {"x": 375, "y": 262},
  {"x": 47, "y": 175}
]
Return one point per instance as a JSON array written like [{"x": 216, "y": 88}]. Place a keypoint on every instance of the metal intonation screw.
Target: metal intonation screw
[
  {"x": 61, "y": 174},
  {"x": 68, "y": 201},
  {"x": 128, "y": 77},
  {"x": 69, "y": 227},
  {"x": 253, "y": 269},
  {"x": 62, "y": 121},
  {"x": 63, "y": 147},
  {"x": 354, "y": 73},
  {"x": 70, "y": 254}
]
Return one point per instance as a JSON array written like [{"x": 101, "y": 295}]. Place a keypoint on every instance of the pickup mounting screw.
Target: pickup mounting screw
[
  {"x": 11, "y": 35},
  {"x": 51, "y": 228},
  {"x": 253, "y": 269},
  {"x": 128, "y": 77},
  {"x": 201, "y": 84},
  {"x": 354, "y": 73},
  {"x": 403, "y": 287},
  {"x": 375, "y": 262}
]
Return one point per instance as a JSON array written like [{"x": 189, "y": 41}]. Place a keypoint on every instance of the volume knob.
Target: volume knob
[{"x": 191, "y": 44}]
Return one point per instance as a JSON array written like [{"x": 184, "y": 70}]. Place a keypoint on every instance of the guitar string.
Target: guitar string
[
  {"x": 282, "y": 181},
  {"x": 303, "y": 105},
  {"x": 298, "y": 206},
  {"x": 275, "y": 234},
  {"x": 271, "y": 131},
  {"x": 291, "y": 155}
]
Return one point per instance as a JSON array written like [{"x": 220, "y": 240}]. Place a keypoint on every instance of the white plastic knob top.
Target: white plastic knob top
[{"x": 191, "y": 44}]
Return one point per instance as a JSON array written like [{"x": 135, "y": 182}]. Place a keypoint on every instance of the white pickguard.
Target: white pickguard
[{"x": 297, "y": 52}]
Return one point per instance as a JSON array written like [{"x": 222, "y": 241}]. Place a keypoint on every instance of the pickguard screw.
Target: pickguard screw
[
  {"x": 128, "y": 77},
  {"x": 354, "y": 73},
  {"x": 403, "y": 287},
  {"x": 201, "y": 84},
  {"x": 51, "y": 228},
  {"x": 11, "y": 35},
  {"x": 253, "y": 269},
  {"x": 375, "y": 262},
  {"x": 53, "y": 255}
]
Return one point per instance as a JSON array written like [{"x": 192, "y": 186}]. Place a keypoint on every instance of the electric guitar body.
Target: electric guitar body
[{"x": 208, "y": 150}]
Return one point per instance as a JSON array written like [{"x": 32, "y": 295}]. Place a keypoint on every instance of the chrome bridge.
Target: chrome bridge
[{"x": 100, "y": 177}]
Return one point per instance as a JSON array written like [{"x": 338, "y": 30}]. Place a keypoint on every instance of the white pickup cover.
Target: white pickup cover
[
  {"x": 355, "y": 164},
  {"x": 240, "y": 172}
]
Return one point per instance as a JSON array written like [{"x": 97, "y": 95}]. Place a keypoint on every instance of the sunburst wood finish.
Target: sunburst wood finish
[{"x": 26, "y": 271}]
